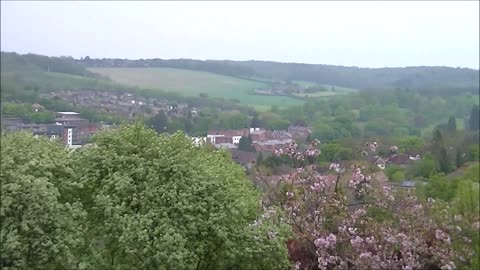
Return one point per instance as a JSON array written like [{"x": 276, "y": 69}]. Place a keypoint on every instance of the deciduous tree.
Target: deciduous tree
[
  {"x": 42, "y": 225},
  {"x": 159, "y": 202}
]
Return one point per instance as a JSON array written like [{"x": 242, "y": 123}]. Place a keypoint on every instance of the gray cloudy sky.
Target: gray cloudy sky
[{"x": 365, "y": 34}]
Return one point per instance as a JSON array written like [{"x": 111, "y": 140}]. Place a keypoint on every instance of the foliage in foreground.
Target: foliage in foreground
[
  {"x": 41, "y": 224},
  {"x": 369, "y": 225},
  {"x": 141, "y": 200},
  {"x": 147, "y": 201}
]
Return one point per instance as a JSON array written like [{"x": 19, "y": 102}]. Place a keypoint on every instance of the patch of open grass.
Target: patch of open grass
[{"x": 194, "y": 83}]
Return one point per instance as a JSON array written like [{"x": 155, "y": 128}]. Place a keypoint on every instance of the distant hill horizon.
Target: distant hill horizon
[
  {"x": 422, "y": 78},
  {"x": 252, "y": 60}
]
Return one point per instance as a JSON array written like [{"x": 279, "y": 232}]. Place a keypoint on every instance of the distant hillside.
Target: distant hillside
[
  {"x": 30, "y": 78},
  {"x": 25, "y": 76},
  {"x": 194, "y": 83},
  {"x": 415, "y": 78},
  {"x": 13, "y": 62}
]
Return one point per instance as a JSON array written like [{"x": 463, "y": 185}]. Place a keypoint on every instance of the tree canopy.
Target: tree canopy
[
  {"x": 135, "y": 200},
  {"x": 42, "y": 224}
]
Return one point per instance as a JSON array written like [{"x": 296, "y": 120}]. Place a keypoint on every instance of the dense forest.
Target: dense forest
[{"x": 416, "y": 78}]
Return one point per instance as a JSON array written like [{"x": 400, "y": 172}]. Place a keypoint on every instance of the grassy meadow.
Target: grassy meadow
[{"x": 194, "y": 83}]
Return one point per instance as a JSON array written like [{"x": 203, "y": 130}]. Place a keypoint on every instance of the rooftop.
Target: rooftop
[
  {"x": 69, "y": 113},
  {"x": 226, "y": 145},
  {"x": 32, "y": 125},
  {"x": 228, "y": 133},
  {"x": 274, "y": 142},
  {"x": 69, "y": 119},
  {"x": 258, "y": 131}
]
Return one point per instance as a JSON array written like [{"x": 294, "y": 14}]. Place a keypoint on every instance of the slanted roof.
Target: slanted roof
[
  {"x": 375, "y": 160},
  {"x": 399, "y": 159},
  {"x": 280, "y": 134}
]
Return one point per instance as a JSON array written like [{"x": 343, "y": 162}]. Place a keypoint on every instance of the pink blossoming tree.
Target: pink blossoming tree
[{"x": 363, "y": 224}]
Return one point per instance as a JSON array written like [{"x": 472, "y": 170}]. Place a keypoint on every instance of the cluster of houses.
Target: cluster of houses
[
  {"x": 262, "y": 140},
  {"x": 393, "y": 158},
  {"x": 118, "y": 103},
  {"x": 68, "y": 127},
  {"x": 75, "y": 131}
]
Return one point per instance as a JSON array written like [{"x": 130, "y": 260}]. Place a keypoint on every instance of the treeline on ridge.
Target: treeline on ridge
[{"x": 418, "y": 78}]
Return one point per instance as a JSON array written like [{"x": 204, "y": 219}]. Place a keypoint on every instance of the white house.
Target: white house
[
  {"x": 211, "y": 138},
  {"x": 236, "y": 139}
]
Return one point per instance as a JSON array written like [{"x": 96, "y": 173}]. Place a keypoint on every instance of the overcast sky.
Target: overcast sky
[{"x": 365, "y": 34}]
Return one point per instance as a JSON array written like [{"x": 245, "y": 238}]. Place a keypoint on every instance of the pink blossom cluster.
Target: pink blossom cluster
[
  {"x": 318, "y": 186},
  {"x": 358, "y": 213},
  {"x": 312, "y": 152},
  {"x": 292, "y": 151},
  {"x": 441, "y": 235},
  {"x": 326, "y": 242},
  {"x": 335, "y": 166},
  {"x": 359, "y": 182},
  {"x": 380, "y": 231}
]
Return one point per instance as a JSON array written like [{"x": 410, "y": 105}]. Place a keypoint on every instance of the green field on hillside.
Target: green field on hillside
[
  {"x": 327, "y": 86},
  {"x": 332, "y": 90},
  {"x": 194, "y": 83}
]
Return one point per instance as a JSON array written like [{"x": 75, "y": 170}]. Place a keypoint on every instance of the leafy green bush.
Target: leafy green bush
[{"x": 395, "y": 173}]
